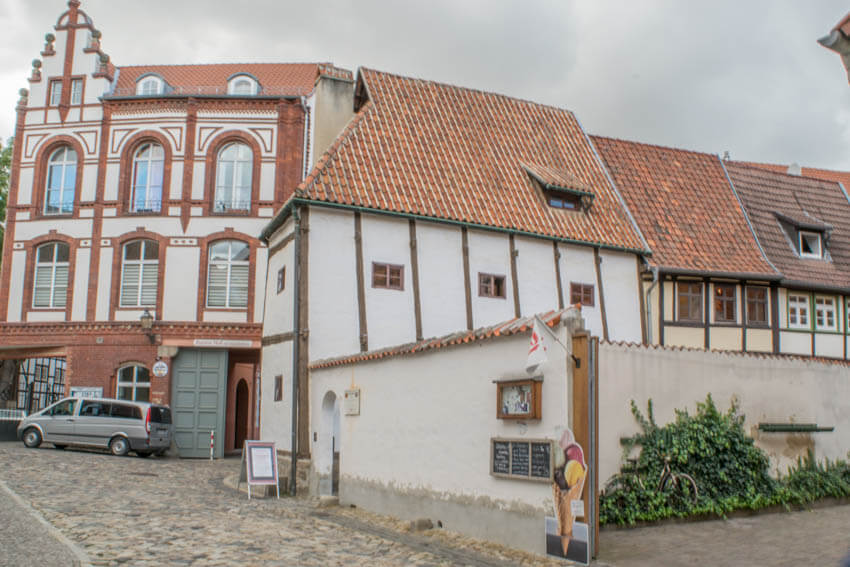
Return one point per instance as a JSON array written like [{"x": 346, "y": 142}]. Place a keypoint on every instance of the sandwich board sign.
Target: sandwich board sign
[{"x": 259, "y": 465}]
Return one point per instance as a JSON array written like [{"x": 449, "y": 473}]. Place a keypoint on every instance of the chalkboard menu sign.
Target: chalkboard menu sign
[{"x": 528, "y": 459}]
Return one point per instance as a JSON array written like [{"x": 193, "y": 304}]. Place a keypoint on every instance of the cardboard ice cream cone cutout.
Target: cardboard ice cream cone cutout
[{"x": 564, "y": 509}]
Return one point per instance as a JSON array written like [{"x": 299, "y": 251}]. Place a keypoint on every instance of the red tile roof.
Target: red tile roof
[
  {"x": 771, "y": 198},
  {"x": 842, "y": 177},
  {"x": 278, "y": 79},
  {"x": 685, "y": 208},
  {"x": 447, "y": 152},
  {"x": 507, "y": 328}
]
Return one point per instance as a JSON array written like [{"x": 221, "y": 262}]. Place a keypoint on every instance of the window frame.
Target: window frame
[
  {"x": 757, "y": 304},
  {"x": 388, "y": 276},
  {"x": 54, "y": 92},
  {"x": 141, "y": 86},
  {"x": 680, "y": 293},
  {"x": 826, "y": 313},
  {"x": 76, "y": 94},
  {"x": 54, "y": 264},
  {"x": 281, "y": 279},
  {"x": 65, "y": 167},
  {"x": 801, "y": 234},
  {"x": 278, "y": 388},
  {"x": 134, "y": 384},
  {"x": 725, "y": 301},
  {"x": 490, "y": 288},
  {"x": 580, "y": 290},
  {"x": 562, "y": 201},
  {"x": 229, "y": 277},
  {"x": 217, "y": 186},
  {"x": 142, "y": 263},
  {"x": 792, "y": 303},
  {"x": 149, "y": 162},
  {"x": 233, "y": 84}
]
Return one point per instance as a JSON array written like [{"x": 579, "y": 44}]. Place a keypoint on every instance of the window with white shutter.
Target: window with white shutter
[
  {"x": 51, "y": 275},
  {"x": 227, "y": 274},
  {"x": 139, "y": 274}
]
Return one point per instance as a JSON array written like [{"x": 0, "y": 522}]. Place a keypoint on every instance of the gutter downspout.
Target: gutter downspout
[
  {"x": 649, "y": 305},
  {"x": 296, "y": 280}
]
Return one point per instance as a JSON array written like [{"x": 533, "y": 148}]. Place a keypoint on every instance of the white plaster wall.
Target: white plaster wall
[
  {"x": 426, "y": 420},
  {"x": 45, "y": 316},
  {"x": 119, "y": 226},
  {"x": 110, "y": 189},
  {"x": 538, "y": 288},
  {"x": 198, "y": 180},
  {"x": 441, "y": 285},
  {"x": 175, "y": 190},
  {"x": 202, "y": 226},
  {"x": 577, "y": 266},
  {"x": 622, "y": 299},
  {"x": 333, "y": 317},
  {"x": 260, "y": 283},
  {"x": 279, "y": 306},
  {"x": 225, "y": 316},
  {"x": 267, "y": 176},
  {"x": 276, "y": 417},
  {"x": 133, "y": 314},
  {"x": 389, "y": 313},
  {"x": 89, "y": 182},
  {"x": 180, "y": 296},
  {"x": 783, "y": 308},
  {"x": 16, "y": 286},
  {"x": 81, "y": 284},
  {"x": 25, "y": 186},
  {"x": 74, "y": 228},
  {"x": 791, "y": 342},
  {"x": 830, "y": 345},
  {"x": 768, "y": 389},
  {"x": 104, "y": 284},
  {"x": 489, "y": 253}
]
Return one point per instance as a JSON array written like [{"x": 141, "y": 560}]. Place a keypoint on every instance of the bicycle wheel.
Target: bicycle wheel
[{"x": 681, "y": 484}]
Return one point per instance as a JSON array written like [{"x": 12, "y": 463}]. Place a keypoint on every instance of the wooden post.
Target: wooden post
[{"x": 584, "y": 423}]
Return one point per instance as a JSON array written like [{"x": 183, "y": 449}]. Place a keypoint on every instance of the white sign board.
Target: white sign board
[
  {"x": 86, "y": 392},
  {"x": 259, "y": 465},
  {"x": 232, "y": 343},
  {"x": 160, "y": 369},
  {"x": 352, "y": 402}
]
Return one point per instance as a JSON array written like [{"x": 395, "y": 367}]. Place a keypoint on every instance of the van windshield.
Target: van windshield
[
  {"x": 64, "y": 408},
  {"x": 160, "y": 414}
]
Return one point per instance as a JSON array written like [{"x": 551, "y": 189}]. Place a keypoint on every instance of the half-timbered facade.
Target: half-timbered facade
[{"x": 136, "y": 199}]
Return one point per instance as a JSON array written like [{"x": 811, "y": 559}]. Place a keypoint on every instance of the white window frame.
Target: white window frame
[
  {"x": 134, "y": 384},
  {"x": 149, "y": 86},
  {"x": 55, "y": 93},
  {"x": 145, "y": 267},
  {"x": 235, "y": 84},
  {"x": 76, "y": 91},
  {"x": 799, "y": 308},
  {"x": 150, "y": 161},
  {"x": 803, "y": 234},
  {"x": 229, "y": 264},
  {"x": 220, "y": 204},
  {"x": 825, "y": 314},
  {"x": 66, "y": 164},
  {"x": 54, "y": 266}
]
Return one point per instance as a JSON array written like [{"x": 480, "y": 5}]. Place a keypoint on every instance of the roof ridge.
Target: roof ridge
[
  {"x": 224, "y": 64},
  {"x": 753, "y": 166},
  {"x": 468, "y": 89},
  {"x": 647, "y": 144}
]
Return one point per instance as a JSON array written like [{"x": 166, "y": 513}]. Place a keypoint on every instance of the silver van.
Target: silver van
[{"x": 118, "y": 425}]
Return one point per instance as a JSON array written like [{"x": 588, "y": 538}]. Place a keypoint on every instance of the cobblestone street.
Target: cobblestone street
[{"x": 178, "y": 512}]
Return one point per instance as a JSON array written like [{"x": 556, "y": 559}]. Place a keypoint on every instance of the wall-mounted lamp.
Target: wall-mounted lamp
[{"x": 146, "y": 320}]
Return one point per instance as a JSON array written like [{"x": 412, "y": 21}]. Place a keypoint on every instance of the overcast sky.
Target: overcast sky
[{"x": 744, "y": 77}]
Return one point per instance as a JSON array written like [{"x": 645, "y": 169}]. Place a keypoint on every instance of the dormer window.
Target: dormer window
[
  {"x": 242, "y": 85},
  {"x": 561, "y": 189},
  {"x": 562, "y": 200},
  {"x": 810, "y": 244},
  {"x": 149, "y": 86}
]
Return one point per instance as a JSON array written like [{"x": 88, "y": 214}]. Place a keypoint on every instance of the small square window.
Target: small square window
[
  {"x": 825, "y": 319},
  {"x": 798, "y": 311},
  {"x": 810, "y": 245},
  {"x": 581, "y": 293},
  {"x": 278, "y": 388},
  {"x": 491, "y": 285},
  {"x": 55, "y": 92},
  {"x": 689, "y": 299},
  {"x": 76, "y": 91},
  {"x": 756, "y": 305},
  {"x": 725, "y": 310},
  {"x": 387, "y": 276},
  {"x": 281, "y": 279}
]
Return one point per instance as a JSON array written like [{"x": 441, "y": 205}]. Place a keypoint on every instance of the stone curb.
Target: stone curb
[{"x": 81, "y": 558}]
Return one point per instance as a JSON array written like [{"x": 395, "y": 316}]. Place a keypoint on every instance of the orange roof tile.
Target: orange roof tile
[
  {"x": 278, "y": 79},
  {"x": 685, "y": 208},
  {"x": 441, "y": 151},
  {"x": 842, "y": 177}
]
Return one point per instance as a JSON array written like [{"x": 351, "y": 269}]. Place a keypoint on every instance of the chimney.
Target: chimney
[{"x": 795, "y": 169}]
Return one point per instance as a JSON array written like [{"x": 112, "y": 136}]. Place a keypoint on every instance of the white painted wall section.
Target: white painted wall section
[
  {"x": 260, "y": 283},
  {"x": 180, "y": 300},
  {"x": 622, "y": 299},
  {"x": 577, "y": 266},
  {"x": 276, "y": 417},
  {"x": 16, "y": 286},
  {"x": 441, "y": 283},
  {"x": 489, "y": 253},
  {"x": 81, "y": 284},
  {"x": 538, "y": 288},
  {"x": 104, "y": 289}
]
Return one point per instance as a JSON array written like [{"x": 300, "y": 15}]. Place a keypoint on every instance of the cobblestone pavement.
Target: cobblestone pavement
[
  {"x": 179, "y": 512},
  {"x": 817, "y": 538}
]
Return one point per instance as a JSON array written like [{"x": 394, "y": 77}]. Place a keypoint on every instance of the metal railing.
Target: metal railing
[
  {"x": 41, "y": 381},
  {"x": 210, "y": 90}
]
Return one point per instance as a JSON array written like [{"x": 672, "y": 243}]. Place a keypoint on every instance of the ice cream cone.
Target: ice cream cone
[{"x": 564, "y": 511}]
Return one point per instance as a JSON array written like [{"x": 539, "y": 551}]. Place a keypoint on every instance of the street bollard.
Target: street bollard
[{"x": 212, "y": 442}]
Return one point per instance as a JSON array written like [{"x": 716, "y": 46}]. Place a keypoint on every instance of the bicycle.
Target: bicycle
[{"x": 669, "y": 482}]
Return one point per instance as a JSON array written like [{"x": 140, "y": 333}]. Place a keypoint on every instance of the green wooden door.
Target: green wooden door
[{"x": 199, "y": 378}]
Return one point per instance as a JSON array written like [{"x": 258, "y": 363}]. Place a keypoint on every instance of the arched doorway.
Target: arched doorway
[
  {"x": 242, "y": 414},
  {"x": 327, "y": 447}
]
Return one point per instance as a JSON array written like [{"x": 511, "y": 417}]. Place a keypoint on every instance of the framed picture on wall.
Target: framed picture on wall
[{"x": 519, "y": 399}]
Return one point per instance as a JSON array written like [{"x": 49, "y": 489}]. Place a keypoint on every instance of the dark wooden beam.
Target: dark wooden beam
[
  {"x": 514, "y": 277},
  {"x": 560, "y": 285},
  {"x": 361, "y": 284},
  {"x": 466, "y": 276},
  {"x": 597, "y": 261},
  {"x": 414, "y": 266}
]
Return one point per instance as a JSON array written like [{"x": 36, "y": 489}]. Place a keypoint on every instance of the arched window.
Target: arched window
[
  {"x": 242, "y": 86},
  {"x": 51, "y": 275},
  {"x": 147, "y": 178},
  {"x": 61, "y": 181},
  {"x": 234, "y": 170},
  {"x": 134, "y": 383},
  {"x": 139, "y": 274},
  {"x": 227, "y": 274},
  {"x": 149, "y": 86}
]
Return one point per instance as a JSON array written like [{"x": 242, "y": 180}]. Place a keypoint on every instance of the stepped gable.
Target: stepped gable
[
  {"x": 809, "y": 203},
  {"x": 685, "y": 208},
  {"x": 276, "y": 79},
  {"x": 435, "y": 150}
]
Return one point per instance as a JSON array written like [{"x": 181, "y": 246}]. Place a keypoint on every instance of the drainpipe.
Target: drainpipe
[
  {"x": 295, "y": 353},
  {"x": 649, "y": 305}
]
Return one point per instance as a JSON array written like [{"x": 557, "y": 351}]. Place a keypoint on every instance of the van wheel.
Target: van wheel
[
  {"x": 59, "y": 446},
  {"x": 32, "y": 438},
  {"x": 143, "y": 454},
  {"x": 119, "y": 446}
]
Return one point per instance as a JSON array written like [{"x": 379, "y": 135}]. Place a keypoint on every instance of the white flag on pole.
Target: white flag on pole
[{"x": 538, "y": 347}]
